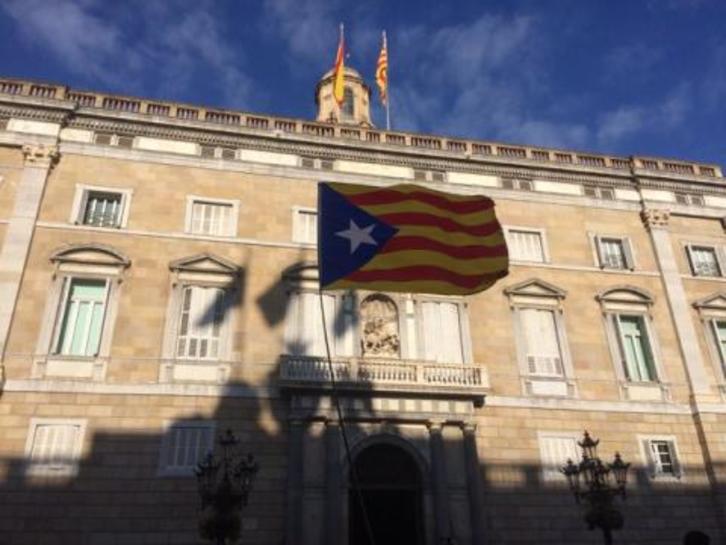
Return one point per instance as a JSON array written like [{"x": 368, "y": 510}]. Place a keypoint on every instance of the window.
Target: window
[
  {"x": 614, "y": 252},
  {"x": 211, "y": 217},
  {"x": 541, "y": 340},
  {"x": 635, "y": 348},
  {"x": 101, "y": 207},
  {"x": 661, "y": 456},
  {"x": 54, "y": 446},
  {"x": 305, "y": 225},
  {"x": 712, "y": 313},
  {"x": 543, "y": 356},
  {"x": 719, "y": 334},
  {"x": 690, "y": 199},
  {"x": 555, "y": 449},
  {"x": 184, "y": 446},
  {"x": 604, "y": 193},
  {"x": 514, "y": 183},
  {"x": 348, "y": 107},
  {"x": 438, "y": 317},
  {"x": 81, "y": 321},
  {"x": 525, "y": 244},
  {"x": 704, "y": 260},
  {"x": 305, "y": 335},
  {"x": 200, "y": 324}
]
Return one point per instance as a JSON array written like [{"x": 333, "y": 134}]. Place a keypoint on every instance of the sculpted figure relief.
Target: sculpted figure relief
[{"x": 379, "y": 323}]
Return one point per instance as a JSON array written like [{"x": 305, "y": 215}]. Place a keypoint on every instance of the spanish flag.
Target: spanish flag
[
  {"x": 382, "y": 71},
  {"x": 339, "y": 71},
  {"x": 407, "y": 238}
]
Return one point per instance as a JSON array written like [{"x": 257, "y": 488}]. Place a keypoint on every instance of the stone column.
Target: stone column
[
  {"x": 656, "y": 222},
  {"x": 333, "y": 492},
  {"x": 293, "y": 513},
  {"x": 14, "y": 253},
  {"x": 473, "y": 484},
  {"x": 439, "y": 481}
]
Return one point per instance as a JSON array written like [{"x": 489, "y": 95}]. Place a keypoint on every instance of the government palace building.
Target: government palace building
[{"x": 159, "y": 286}]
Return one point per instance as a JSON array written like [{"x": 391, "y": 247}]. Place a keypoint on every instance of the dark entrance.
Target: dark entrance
[{"x": 390, "y": 483}]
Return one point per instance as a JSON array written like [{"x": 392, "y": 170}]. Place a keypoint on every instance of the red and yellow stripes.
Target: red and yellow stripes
[
  {"x": 445, "y": 244},
  {"x": 382, "y": 71}
]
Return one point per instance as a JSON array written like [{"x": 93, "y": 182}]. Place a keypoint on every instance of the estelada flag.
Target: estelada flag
[
  {"x": 382, "y": 71},
  {"x": 339, "y": 71},
  {"x": 407, "y": 238}
]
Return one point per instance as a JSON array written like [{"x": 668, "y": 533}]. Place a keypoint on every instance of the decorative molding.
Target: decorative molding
[
  {"x": 625, "y": 293},
  {"x": 39, "y": 155},
  {"x": 205, "y": 263},
  {"x": 92, "y": 253},
  {"x": 655, "y": 218},
  {"x": 715, "y": 301},
  {"x": 534, "y": 287}
]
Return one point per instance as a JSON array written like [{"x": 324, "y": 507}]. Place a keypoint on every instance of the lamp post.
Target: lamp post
[
  {"x": 224, "y": 484},
  {"x": 600, "y": 484}
]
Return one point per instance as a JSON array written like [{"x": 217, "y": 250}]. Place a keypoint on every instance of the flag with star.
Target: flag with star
[{"x": 408, "y": 238}]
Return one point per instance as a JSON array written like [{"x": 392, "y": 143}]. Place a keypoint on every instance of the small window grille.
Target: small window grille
[
  {"x": 207, "y": 152},
  {"x": 102, "y": 209},
  {"x": 104, "y": 138},
  {"x": 228, "y": 153},
  {"x": 307, "y": 162},
  {"x": 125, "y": 141}
]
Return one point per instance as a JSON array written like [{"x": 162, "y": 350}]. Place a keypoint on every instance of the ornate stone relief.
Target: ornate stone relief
[
  {"x": 654, "y": 218},
  {"x": 379, "y": 327},
  {"x": 39, "y": 155}
]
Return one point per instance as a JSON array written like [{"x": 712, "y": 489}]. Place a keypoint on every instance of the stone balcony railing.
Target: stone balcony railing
[
  {"x": 385, "y": 375},
  {"x": 281, "y": 126}
]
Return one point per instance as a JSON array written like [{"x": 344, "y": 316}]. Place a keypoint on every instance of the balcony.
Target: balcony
[{"x": 452, "y": 381}]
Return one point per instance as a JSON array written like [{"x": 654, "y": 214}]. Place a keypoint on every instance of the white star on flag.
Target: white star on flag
[{"x": 358, "y": 235}]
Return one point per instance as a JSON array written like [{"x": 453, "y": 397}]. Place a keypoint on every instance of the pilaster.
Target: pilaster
[
  {"x": 333, "y": 492},
  {"x": 293, "y": 518},
  {"x": 439, "y": 481},
  {"x": 656, "y": 222},
  {"x": 473, "y": 484},
  {"x": 39, "y": 159}
]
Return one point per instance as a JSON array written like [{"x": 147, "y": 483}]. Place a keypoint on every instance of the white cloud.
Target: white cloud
[{"x": 178, "y": 40}]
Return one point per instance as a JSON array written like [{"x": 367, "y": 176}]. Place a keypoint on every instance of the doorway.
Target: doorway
[{"x": 391, "y": 489}]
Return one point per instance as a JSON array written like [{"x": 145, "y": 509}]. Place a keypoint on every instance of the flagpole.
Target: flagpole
[
  {"x": 388, "y": 83},
  {"x": 340, "y": 41}
]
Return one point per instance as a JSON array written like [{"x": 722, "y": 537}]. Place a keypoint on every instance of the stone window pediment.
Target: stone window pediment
[
  {"x": 715, "y": 302},
  {"x": 205, "y": 267},
  {"x": 534, "y": 291},
  {"x": 90, "y": 258},
  {"x": 625, "y": 298}
]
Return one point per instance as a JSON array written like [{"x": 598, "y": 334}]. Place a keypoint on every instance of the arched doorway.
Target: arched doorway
[{"x": 391, "y": 486}]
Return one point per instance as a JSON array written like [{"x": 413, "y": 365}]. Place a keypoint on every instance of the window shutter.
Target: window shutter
[
  {"x": 615, "y": 320},
  {"x": 651, "y": 458},
  {"x": 674, "y": 458},
  {"x": 598, "y": 249},
  {"x": 691, "y": 260},
  {"x": 720, "y": 259},
  {"x": 431, "y": 330},
  {"x": 628, "y": 254},
  {"x": 450, "y": 333},
  {"x": 345, "y": 326}
]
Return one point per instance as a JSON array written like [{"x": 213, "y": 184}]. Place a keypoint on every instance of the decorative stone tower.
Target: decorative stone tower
[{"x": 355, "y": 109}]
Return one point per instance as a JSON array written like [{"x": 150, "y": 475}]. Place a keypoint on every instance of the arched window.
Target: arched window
[
  {"x": 348, "y": 107},
  {"x": 379, "y": 327}
]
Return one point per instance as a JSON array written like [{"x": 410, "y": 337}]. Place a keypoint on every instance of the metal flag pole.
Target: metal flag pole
[
  {"x": 354, "y": 481},
  {"x": 388, "y": 85}
]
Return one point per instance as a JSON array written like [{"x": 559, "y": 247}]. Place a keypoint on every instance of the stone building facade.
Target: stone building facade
[{"x": 158, "y": 285}]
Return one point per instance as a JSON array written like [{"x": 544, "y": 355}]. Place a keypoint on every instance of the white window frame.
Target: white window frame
[
  {"x": 534, "y": 230},
  {"x": 234, "y": 215},
  {"x": 93, "y": 262},
  {"x": 165, "y": 470},
  {"x": 44, "y": 470},
  {"x": 80, "y": 198},
  {"x": 628, "y": 252},
  {"x": 297, "y": 212},
  {"x": 536, "y": 294},
  {"x": 630, "y": 301},
  {"x": 718, "y": 254},
  {"x": 710, "y": 310},
  {"x": 548, "y": 475},
  {"x": 652, "y": 465}
]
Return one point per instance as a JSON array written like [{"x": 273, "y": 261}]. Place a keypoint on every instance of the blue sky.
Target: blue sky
[{"x": 644, "y": 77}]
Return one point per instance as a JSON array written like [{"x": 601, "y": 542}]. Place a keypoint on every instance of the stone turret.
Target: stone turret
[{"x": 355, "y": 109}]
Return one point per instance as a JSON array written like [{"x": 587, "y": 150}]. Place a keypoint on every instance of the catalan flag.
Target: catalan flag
[
  {"x": 382, "y": 71},
  {"x": 339, "y": 71},
  {"x": 407, "y": 238}
]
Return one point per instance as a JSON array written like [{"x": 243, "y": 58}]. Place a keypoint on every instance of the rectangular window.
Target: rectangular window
[
  {"x": 82, "y": 316},
  {"x": 635, "y": 348},
  {"x": 212, "y": 218},
  {"x": 525, "y": 245},
  {"x": 442, "y": 337},
  {"x": 200, "y": 324},
  {"x": 555, "y": 450},
  {"x": 614, "y": 253},
  {"x": 53, "y": 448},
  {"x": 541, "y": 341},
  {"x": 305, "y": 226},
  {"x": 662, "y": 457},
  {"x": 102, "y": 209},
  {"x": 305, "y": 334},
  {"x": 185, "y": 445},
  {"x": 704, "y": 261}
]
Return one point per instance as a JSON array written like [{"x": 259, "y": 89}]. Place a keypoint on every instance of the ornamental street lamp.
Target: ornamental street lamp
[
  {"x": 601, "y": 484},
  {"x": 224, "y": 484}
]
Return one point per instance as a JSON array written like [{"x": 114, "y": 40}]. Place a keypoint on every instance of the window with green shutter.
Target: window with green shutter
[
  {"x": 83, "y": 313},
  {"x": 635, "y": 348}
]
